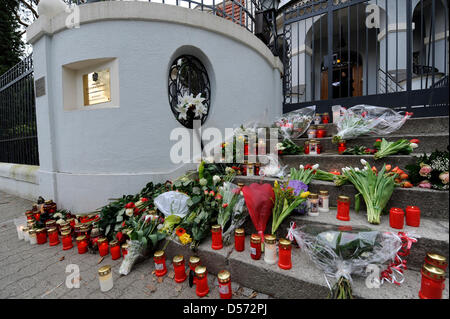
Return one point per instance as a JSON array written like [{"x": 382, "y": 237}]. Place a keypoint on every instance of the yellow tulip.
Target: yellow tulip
[
  {"x": 185, "y": 239},
  {"x": 305, "y": 194}
]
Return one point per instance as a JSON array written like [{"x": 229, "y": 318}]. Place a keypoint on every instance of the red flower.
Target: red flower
[
  {"x": 414, "y": 140},
  {"x": 130, "y": 205},
  {"x": 119, "y": 236},
  {"x": 211, "y": 193},
  {"x": 180, "y": 231},
  {"x": 144, "y": 199},
  {"x": 206, "y": 192},
  {"x": 218, "y": 197},
  {"x": 235, "y": 168},
  {"x": 225, "y": 205}
]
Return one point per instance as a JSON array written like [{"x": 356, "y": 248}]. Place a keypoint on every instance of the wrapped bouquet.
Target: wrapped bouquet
[{"x": 295, "y": 123}]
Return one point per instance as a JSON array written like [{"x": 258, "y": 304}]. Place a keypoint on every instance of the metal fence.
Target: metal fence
[
  {"x": 392, "y": 53},
  {"x": 18, "y": 134}
]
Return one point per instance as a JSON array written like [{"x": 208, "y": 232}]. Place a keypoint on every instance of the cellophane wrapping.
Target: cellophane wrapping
[
  {"x": 362, "y": 120},
  {"x": 346, "y": 251},
  {"x": 296, "y": 123},
  {"x": 136, "y": 251},
  {"x": 237, "y": 217}
]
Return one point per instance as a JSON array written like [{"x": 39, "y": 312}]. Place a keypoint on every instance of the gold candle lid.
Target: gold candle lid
[
  {"x": 158, "y": 254},
  {"x": 40, "y": 230},
  {"x": 344, "y": 199},
  {"x": 26, "y": 229},
  {"x": 433, "y": 272},
  {"x": 81, "y": 238},
  {"x": 239, "y": 232},
  {"x": 194, "y": 260},
  {"x": 215, "y": 228},
  {"x": 313, "y": 196},
  {"x": 101, "y": 240},
  {"x": 241, "y": 185},
  {"x": 224, "y": 276},
  {"x": 113, "y": 243},
  {"x": 321, "y": 127},
  {"x": 323, "y": 193},
  {"x": 64, "y": 223},
  {"x": 32, "y": 232},
  {"x": 284, "y": 243},
  {"x": 48, "y": 201},
  {"x": 255, "y": 238},
  {"x": 65, "y": 233},
  {"x": 125, "y": 246},
  {"x": 178, "y": 259},
  {"x": 50, "y": 222},
  {"x": 438, "y": 259},
  {"x": 105, "y": 270},
  {"x": 270, "y": 239},
  {"x": 51, "y": 230},
  {"x": 200, "y": 271}
]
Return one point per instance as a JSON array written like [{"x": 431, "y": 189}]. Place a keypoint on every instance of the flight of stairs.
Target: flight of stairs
[{"x": 305, "y": 280}]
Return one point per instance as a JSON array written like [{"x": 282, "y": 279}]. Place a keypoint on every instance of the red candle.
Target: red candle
[
  {"x": 114, "y": 249},
  {"x": 179, "y": 268},
  {"x": 245, "y": 148},
  {"x": 82, "y": 244},
  {"x": 325, "y": 118},
  {"x": 224, "y": 279},
  {"x": 321, "y": 132},
  {"x": 103, "y": 247},
  {"x": 66, "y": 240},
  {"x": 343, "y": 208},
  {"x": 396, "y": 217},
  {"x": 160, "y": 263},
  {"x": 284, "y": 254},
  {"x": 255, "y": 246},
  {"x": 201, "y": 287},
  {"x": 436, "y": 261},
  {"x": 306, "y": 148},
  {"x": 124, "y": 250},
  {"x": 194, "y": 261},
  {"x": 342, "y": 146},
  {"x": 216, "y": 231},
  {"x": 41, "y": 236},
  {"x": 53, "y": 237},
  {"x": 239, "y": 239},
  {"x": 433, "y": 282},
  {"x": 413, "y": 216}
]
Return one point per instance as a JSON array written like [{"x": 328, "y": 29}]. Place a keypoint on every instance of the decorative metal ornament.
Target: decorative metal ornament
[{"x": 188, "y": 77}]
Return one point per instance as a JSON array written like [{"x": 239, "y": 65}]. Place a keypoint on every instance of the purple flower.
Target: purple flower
[{"x": 298, "y": 187}]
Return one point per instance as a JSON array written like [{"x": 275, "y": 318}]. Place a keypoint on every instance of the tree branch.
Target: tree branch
[
  {"x": 30, "y": 7},
  {"x": 26, "y": 25}
]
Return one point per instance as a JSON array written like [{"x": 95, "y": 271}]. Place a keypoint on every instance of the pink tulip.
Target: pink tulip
[{"x": 425, "y": 184}]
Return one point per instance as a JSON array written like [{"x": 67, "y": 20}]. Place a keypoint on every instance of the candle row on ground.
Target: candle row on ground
[{"x": 397, "y": 217}]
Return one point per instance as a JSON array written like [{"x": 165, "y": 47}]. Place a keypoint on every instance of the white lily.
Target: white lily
[
  {"x": 182, "y": 112},
  {"x": 302, "y": 167},
  {"x": 185, "y": 99},
  {"x": 200, "y": 109},
  {"x": 198, "y": 99}
]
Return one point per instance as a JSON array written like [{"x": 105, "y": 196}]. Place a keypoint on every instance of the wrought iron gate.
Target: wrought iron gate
[{"x": 392, "y": 53}]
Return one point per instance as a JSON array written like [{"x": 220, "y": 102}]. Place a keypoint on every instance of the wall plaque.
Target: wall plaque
[
  {"x": 97, "y": 87},
  {"x": 39, "y": 85}
]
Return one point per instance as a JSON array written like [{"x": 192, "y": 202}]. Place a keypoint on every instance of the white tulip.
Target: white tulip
[
  {"x": 301, "y": 166},
  {"x": 356, "y": 169},
  {"x": 363, "y": 161},
  {"x": 414, "y": 145},
  {"x": 316, "y": 166}
]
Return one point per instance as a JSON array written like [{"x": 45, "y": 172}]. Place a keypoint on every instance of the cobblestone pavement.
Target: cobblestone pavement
[{"x": 39, "y": 271}]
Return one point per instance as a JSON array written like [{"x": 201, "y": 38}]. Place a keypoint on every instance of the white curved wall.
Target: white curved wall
[{"x": 88, "y": 156}]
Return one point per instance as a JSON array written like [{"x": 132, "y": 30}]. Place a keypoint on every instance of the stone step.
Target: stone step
[
  {"x": 303, "y": 281},
  {"x": 433, "y": 203},
  {"x": 330, "y": 162},
  {"x": 419, "y": 125},
  {"x": 428, "y": 142}
]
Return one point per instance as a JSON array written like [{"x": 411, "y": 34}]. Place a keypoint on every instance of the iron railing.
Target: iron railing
[
  {"x": 379, "y": 52},
  {"x": 241, "y": 12},
  {"x": 18, "y": 134}
]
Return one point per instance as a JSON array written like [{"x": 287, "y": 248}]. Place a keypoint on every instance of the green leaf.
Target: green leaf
[
  {"x": 108, "y": 228},
  {"x": 119, "y": 218},
  {"x": 357, "y": 202}
]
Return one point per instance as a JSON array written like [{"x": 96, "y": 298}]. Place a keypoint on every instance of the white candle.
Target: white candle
[
  {"x": 105, "y": 278},
  {"x": 26, "y": 235},
  {"x": 20, "y": 231},
  {"x": 270, "y": 250}
]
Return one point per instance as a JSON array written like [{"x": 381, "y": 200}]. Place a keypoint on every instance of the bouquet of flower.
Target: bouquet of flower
[
  {"x": 145, "y": 234},
  {"x": 287, "y": 198},
  {"x": 190, "y": 106},
  {"x": 345, "y": 251},
  {"x": 304, "y": 173},
  {"x": 231, "y": 211},
  {"x": 295, "y": 123},
  {"x": 273, "y": 168},
  {"x": 287, "y": 147},
  {"x": 375, "y": 187},
  {"x": 401, "y": 146},
  {"x": 338, "y": 179},
  {"x": 430, "y": 171},
  {"x": 368, "y": 120}
]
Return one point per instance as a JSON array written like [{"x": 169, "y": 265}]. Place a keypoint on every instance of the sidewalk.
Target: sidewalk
[{"x": 39, "y": 271}]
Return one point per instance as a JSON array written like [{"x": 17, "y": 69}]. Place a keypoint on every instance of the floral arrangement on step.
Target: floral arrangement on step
[
  {"x": 431, "y": 171},
  {"x": 191, "y": 107}
]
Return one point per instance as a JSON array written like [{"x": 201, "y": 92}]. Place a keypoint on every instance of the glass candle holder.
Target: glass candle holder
[
  {"x": 436, "y": 261},
  {"x": 313, "y": 147},
  {"x": 250, "y": 170},
  {"x": 194, "y": 261},
  {"x": 285, "y": 254},
  {"x": 159, "y": 257},
  {"x": 313, "y": 205},
  {"x": 49, "y": 207},
  {"x": 103, "y": 247},
  {"x": 66, "y": 239},
  {"x": 312, "y": 132},
  {"x": 270, "y": 249},
  {"x": 317, "y": 118},
  {"x": 105, "y": 278},
  {"x": 19, "y": 229},
  {"x": 201, "y": 286},
  {"x": 63, "y": 225},
  {"x": 41, "y": 236},
  {"x": 124, "y": 249},
  {"x": 29, "y": 214},
  {"x": 255, "y": 246},
  {"x": 413, "y": 216},
  {"x": 257, "y": 168},
  {"x": 224, "y": 279},
  {"x": 433, "y": 282},
  {"x": 179, "y": 268},
  {"x": 343, "y": 208},
  {"x": 114, "y": 249},
  {"x": 321, "y": 132},
  {"x": 53, "y": 238},
  {"x": 324, "y": 202},
  {"x": 306, "y": 148},
  {"x": 50, "y": 224},
  {"x": 26, "y": 234},
  {"x": 342, "y": 146},
  {"x": 71, "y": 222},
  {"x": 325, "y": 118},
  {"x": 239, "y": 239},
  {"x": 82, "y": 244},
  {"x": 396, "y": 217},
  {"x": 216, "y": 232},
  {"x": 32, "y": 234}
]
